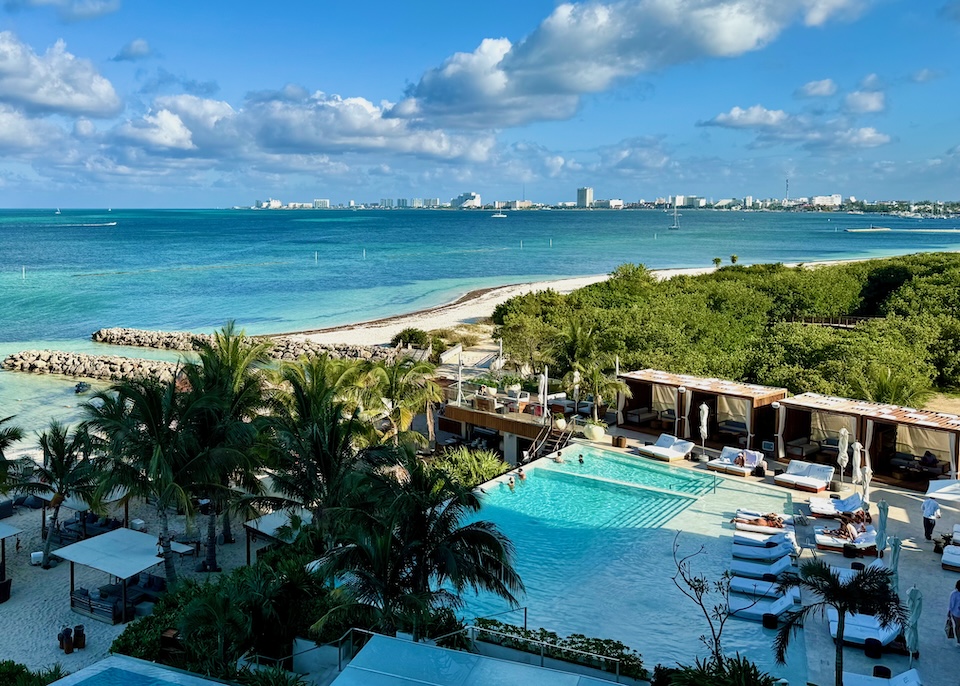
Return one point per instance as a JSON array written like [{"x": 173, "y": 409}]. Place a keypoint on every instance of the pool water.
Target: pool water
[
  {"x": 120, "y": 670},
  {"x": 596, "y": 556},
  {"x": 121, "y": 677},
  {"x": 637, "y": 470}
]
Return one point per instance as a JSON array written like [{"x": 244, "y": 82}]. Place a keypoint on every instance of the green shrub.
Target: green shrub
[
  {"x": 471, "y": 467},
  {"x": 733, "y": 671},
  {"x": 15, "y": 674},
  {"x": 418, "y": 338}
]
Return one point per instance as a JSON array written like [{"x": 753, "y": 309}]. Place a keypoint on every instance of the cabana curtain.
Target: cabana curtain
[
  {"x": 916, "y": 440},
  {"x": 621, "y": 403},
  {"x": 868, "y": 441},
  {"x": 825, "y": 425},
  {"x": 781, "y": 427},
  {"x": 663, "y": 397},
  {"x": 687, "y": 402}
]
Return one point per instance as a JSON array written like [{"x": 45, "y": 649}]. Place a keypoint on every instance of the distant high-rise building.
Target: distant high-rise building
[
  {"x": 467, "y": 200},
  {"x": 585, "y": 197},
  {"x": 416, "y": 202},
  {"x": 402, "y": 202},
  {"x": 352, "y": 203},
  {"x": 386, "y": 202},
  {"x": 321, "y": 204},
  {"x": 431, "y": 202},
  {"x": 748, "y": 201}
]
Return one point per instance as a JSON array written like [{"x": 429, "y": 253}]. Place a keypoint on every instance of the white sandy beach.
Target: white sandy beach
[{"x": 469, "y": 309}]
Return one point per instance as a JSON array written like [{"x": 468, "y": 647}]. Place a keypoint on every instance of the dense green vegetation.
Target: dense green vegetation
[
  {"x": 744, "y": 323},
  {"x": 14, "y": 674}
]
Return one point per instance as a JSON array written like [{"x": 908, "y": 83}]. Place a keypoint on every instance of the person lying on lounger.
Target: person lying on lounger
[
  {"x": 740, "y": 459},
  {"x": 770, "y": 519},
  {"x": 847, "y": 529}
]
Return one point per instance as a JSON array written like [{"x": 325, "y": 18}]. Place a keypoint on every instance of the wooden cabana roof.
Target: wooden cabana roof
[
  {"x": 760, "y": 395},
  {"x": 893, "y": 414}
]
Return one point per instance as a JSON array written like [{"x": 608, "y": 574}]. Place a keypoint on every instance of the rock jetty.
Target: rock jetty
[
  {"x": 284, "y": 347},
  {"x": 104, "y": 367}
]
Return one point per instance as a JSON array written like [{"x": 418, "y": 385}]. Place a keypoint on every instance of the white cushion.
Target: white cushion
[
  {"x": 798, "y": 468},
  {"x": 908, "y": 678},
  {"x": 951, "y": 556},
  {"x": 666, "y": 441}
]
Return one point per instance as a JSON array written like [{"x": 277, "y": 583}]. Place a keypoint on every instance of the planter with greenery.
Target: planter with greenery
[
  {"x": 559, "y": 421},
  {"x": 594, "y": 429}
]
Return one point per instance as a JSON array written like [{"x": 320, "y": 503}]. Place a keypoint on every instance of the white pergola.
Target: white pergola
[
  {"x": 122, "y": 553},
  {"x": 6, "y": 531},
  {"x": 269, "y": 525}
]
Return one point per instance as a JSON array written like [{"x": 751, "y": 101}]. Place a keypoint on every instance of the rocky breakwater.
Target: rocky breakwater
[
  {"x": 283, "y": 347},
  {"x": 104, "y": 367}
]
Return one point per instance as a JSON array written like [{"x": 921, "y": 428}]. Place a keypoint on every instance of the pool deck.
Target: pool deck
[{"x": 939, "y": 661}]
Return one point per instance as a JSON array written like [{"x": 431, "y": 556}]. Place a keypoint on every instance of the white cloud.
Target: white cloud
[
  {"x": 817, "y": 89},
  {"x": 867, "y": 137},
  {"x": 865, "y": 102},
  {"x": 56, "y": 81},
  {"x": 753, "y": 117},
  {"x": 69, "y": 10},
  {"x": 163, "y": 130},
  {"x": 18, "y": 133},
  {"x": 586, "y": 47},
  {"x": 924, "y": 75},
  {"x": 871, "y": 82},
  {"x": 137, "y": 49}
]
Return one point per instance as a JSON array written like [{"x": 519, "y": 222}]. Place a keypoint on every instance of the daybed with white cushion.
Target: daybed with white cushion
[
  {"x": 908, "y": 678},
  {"x": 847, "y": 573},
  {"x": 832, "y": 507},
  {"x": 759, "y": 528},
  {"x": 667, "y": 448},
  {"x": 865, "y": 543},
  {"x": 805, "y": 476},
  {"x": 760, "y": 588},
  {"x": 752, "y": 552},
  {"x": 951, "y": 553},
  {"x": 858, "y": 628},
  {"x": 757, "y": 570},
  {"x": 726, "y": 463},
  {"x": 787, "y": 536},
  {"x": 745, "y": 607}
]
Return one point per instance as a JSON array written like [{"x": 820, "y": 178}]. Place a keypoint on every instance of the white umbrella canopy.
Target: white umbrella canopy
[
  {"x": 883, "y": 508},
  {"x": 867, "y": 476},
  {"x": 842, "y": 445},
  {"x": 945, "y": 490},
  {"x": 911, "y": 632},
  {"x": 856, "y": 473},
  {"x": 895, "y": 545},
  {"x": 704, "y": 416}
]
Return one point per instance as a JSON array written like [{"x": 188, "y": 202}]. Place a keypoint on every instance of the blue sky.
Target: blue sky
[{"x": 130, "y": 103}]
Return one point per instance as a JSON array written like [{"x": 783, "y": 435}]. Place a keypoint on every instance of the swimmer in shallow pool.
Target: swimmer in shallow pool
[
  {"x": 580, "y": 458},
  {"x": 559, "y": 458},
  {"x": 511, "y": 483},
  {"x": 520, "y": 474}
]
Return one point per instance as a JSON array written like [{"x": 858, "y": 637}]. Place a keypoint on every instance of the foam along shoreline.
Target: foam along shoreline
[{"x": 468, "y": 309}]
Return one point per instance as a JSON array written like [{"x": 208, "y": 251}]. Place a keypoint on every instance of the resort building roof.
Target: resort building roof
[
  {"x": 121, "y": 553},
  {"x": 893, "y": 414},
  {"x": 761, "y": 395}
]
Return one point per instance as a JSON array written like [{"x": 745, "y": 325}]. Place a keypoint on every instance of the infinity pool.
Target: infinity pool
[{"x": 594, "y": 548}]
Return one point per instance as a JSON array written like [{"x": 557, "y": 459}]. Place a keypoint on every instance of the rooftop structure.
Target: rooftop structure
[{"x": 585, "y": 197}]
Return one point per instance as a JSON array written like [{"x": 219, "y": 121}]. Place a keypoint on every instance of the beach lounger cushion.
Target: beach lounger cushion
[
  {"x": 805, "y": 476},
  {"x": 757, "y": 570},
  {"x": 951, "y": 558},
  {"x": 752, "y": 552},
  {"x": 760, "y": 588},
  {"x": 864, "y": 542},
  {"x": 765, "y": 540},
  {"x": 746, "y": 607},
  {"x": 908, "y": 678},
  {"x": 832, "y": 507},
  {"x": 858, "y": 628},
  {"x": 846, "y": 573},
  {"x": 726, "y": 462},
  {"x": 667, "y": 448}
]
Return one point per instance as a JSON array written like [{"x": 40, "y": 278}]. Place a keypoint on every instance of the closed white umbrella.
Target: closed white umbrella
[
  {"x": 895, "y": 545},
  {"x": 856, "y": 473},
  {"x": 883, "y": 508},
  {"x": 704, "y": 427},
  {"x": 867, "y": 475},
  {"x": 842, "y": 450},
  {"x": 911, "y": 632},
  {"x": 576, "y": 391},
  {"x": 542, "y": 389}
]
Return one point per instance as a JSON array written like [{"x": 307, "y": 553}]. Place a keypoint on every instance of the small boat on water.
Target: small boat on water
[
  {"x": 869, "y": 229},
  {"x": 58, "y": 211},
  {"x": 81, "y": 387},
  {"x": 498, "y": 215},
  {"x": 676, "y": 220}
]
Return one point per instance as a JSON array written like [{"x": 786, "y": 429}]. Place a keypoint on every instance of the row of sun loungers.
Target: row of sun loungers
[{"x": 758, "y": 559}]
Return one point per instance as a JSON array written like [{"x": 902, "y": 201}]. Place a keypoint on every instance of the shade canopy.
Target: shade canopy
[
  {"x": 122, "y": 553},
  {"x": 270, "y": 525},
  {"x": 945, "y": 489},
  {"x": 6, "y": 531},
  {"x": 80, "y": 505}
]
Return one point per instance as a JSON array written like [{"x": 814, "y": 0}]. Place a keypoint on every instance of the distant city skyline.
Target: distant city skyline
[{"x": 111, "y": 103}]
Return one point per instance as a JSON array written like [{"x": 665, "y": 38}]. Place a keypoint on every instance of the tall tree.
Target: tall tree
[
  {"x": 403, "y": 389},
  {"x": 868, "y": 592},
  {"x": 9, "y": 434},
  {"x": 67, "y": 471},
  {"x": 144, "y": 441},
  {"x": 591, "y": 378}
]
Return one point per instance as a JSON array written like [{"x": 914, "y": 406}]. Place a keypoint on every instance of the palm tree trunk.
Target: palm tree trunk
[
  {"x": 431, "y": 432},
  {"x": 168, "y": 568},
  {"x": 211, "y": 560},
  {"x": 227, "y": 531},
  {"x": 51, "y": 530},
  {"x": 838, "y": 669}
]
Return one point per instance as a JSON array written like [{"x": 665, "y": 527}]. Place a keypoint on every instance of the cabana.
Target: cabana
[
  {"x": 275, "y": 526},
  {"x": 122, "y": 553},
  {"x": 6, "y": 531},
  {"x": 810, "y": 423},
  {"x": 85, "y": 523},
  {"x": 736, "y": 409}
]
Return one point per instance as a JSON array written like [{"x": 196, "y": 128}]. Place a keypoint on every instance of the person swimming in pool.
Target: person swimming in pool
[
  {"x": 511, "y": 483},
  {"x": 520, "y": 474},
  {"x": 559, "y": 458}
]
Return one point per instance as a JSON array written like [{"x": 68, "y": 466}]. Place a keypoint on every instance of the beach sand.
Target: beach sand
[{"x": 473, "y": 307}]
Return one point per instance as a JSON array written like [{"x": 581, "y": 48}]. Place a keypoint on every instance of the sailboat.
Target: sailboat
[
  {"x": 676, "y": 219},
  {"x": 58, "y": 211}
]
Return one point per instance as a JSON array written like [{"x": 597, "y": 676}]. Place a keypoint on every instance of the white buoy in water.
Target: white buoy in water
[
  {"x": 316, "y": 256},
  {"x": 23, "y": 273},
  {"x": 364, "y": 253},
  {"x": 551, "y": 242},
  {"x": 521, "y": 245}
]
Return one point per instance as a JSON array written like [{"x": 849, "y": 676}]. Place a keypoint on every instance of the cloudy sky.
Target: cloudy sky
[{"x": 129, "y": 103}]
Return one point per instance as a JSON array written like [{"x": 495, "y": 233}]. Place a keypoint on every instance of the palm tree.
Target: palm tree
[
  {"x": 717, "y": 262},
  {"x": 592, "y": 379},
  {"x": 222, "y": 611},
  {"x": 67, "y": 472},
  {"x": 9, "y": 434},
  {"x": 869, "y": 591},
  {"x": 884, "y": 385},
  {"x": 146, "y": 449},
  {"x": 734, "y": 259},
  {"x": 403, "y": 388},
  {"x": 577, "y": 344}
]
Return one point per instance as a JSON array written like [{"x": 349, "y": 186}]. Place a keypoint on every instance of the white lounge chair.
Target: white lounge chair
[
  {"x": 832, "y": 507},
  {"x": 865, "y": 543},
  {"x": 858, "y": 628},
  {"x": 951, "y": 553},
  {"x": 667, "y": 448},
  {"x": 908, "y": 678},
  {"x": 745, "y": 607},
  {"x": 765, "y": 540},
  {"x": 752, "y": 552},
  {"x": 744, "y": 513},
  {"x": 805, "y": 476},
  {"x": 847, "y": 573},
  {"x": 760, "y": 588},
  {"x": 757, "y": 570},
  {"x": 726, "y": 463}
]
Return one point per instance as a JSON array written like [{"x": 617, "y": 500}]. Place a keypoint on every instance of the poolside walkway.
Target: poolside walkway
[{"x": 939, "y": 661}]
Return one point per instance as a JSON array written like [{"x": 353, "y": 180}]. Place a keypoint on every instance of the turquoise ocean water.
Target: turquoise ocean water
[{"x": 64, "y": 276}]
